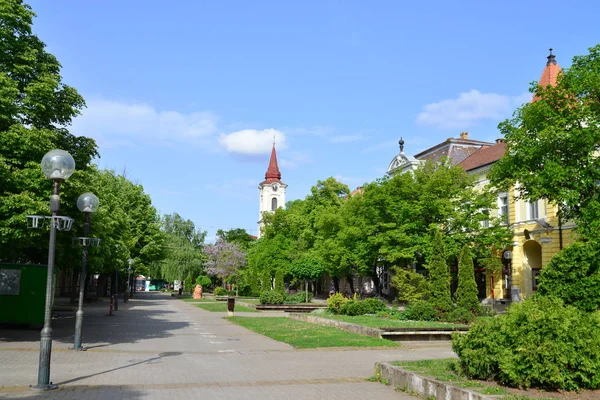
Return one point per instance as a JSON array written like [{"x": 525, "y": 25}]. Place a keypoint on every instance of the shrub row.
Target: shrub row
[
  {"x": 539, "y": 343},
  {"x": 279, "y": 297},
  {"x": 339, "y": 304}
]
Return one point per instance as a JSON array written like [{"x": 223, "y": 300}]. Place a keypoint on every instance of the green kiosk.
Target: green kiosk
[{"x": 22, "y": 293}]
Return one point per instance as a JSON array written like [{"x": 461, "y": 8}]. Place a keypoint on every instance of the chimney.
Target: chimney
[
  {"x": 464, "y": 135},
  {"x": 501, "y": 140}
]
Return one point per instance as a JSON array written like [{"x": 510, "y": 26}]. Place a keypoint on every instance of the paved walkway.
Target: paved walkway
[{"x": 158, "y": 347}]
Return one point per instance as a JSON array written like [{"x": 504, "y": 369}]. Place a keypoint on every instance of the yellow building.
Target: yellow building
[{"x": 538, "y": 232}]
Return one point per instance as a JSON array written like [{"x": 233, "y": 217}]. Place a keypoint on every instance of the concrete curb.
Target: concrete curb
[
  {"x": 345, "y": 326},
  {"x": 428, "y": 388}
]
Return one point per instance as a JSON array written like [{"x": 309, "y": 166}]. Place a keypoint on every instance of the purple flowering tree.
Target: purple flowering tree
[{"x": 225, "y": 260}]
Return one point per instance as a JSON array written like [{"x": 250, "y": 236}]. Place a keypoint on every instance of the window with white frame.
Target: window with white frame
[
  {"x": 503, "y": 207},
  {"x": 534, "y": 210},
  {"x": 486, "y": 222}
]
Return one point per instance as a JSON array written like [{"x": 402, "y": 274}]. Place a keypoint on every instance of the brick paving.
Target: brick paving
[{"x": 158, "y": 347}]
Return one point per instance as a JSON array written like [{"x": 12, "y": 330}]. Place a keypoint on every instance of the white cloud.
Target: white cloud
[
  {"x": 252, "y": 141},
  {"x": 469, "y": 108},
  {"x": 346, "y": 138},
  {"x": 125, "y": 123}
]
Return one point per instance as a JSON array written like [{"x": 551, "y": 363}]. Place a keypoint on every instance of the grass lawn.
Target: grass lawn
[
  {"x": 222, "y": 307},
  {"x": 304, "y": 335},
  {"x": 378, "y": 322},
  {"x": 250, "y": 301},
  {"x": 192, "y": 300},
  {"x": 444, "y": 370}
]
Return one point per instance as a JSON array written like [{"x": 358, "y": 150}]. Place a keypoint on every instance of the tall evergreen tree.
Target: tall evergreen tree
[
  {"x": 439, "y": 276},
  {"x": 466, "y": 293},
  {"x": 279, "y": 284}
]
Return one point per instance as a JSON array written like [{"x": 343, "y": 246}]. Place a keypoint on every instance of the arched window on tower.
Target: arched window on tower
[{"x": 274, "y": 204}]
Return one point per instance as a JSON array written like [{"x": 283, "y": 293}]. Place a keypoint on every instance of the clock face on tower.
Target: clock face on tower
[{"x": 275, "y": 187}]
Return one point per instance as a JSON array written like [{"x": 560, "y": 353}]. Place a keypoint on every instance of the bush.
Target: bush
[
  {"x": 573, "y": 275},
  {"x": 411, "y": 285},
  {"x": 335, "y": 302},
  {"x": 204, "y": 281},
  {"x": 479, "y": 349},
  {"x": 539, "y": 343},
  {"x": 358, "y": 307},
  {"x": 420, "y": 311},
  {"x": 272, "y": 297},
  {"x": 220, "y": 291},
  {"x": 188, "y": 284},
  {"x": 297, "y": 298},
  {"x": 486, "y": 312},
  {"x": 460, "y": 315},
  {"x": 353, "y": 308}
]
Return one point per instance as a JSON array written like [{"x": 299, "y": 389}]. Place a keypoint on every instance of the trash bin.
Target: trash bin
[
  {"x": 230, "y": 304},
  {"x": 23, "y": 293},
  {"x": 515, "y": 294}
]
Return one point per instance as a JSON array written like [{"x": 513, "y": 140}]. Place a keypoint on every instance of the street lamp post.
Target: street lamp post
[
  {"x": 57, "y": 165},
  {"x": 128, "y": 288},
  {"x": 87, "y": 203},
  {"x": 116, "y": 289}
]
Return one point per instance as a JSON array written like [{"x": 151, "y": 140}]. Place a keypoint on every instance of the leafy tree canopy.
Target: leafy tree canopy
[{"x": 552, "y": 144}]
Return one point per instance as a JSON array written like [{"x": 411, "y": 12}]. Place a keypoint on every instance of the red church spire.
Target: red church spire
[
  {"x": 273, "y": 174},
  {"x": 549, "y": 75}
]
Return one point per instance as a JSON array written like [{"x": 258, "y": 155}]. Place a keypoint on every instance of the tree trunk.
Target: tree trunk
[
  {"x": 351, "y": 282},
  {"x": 376, "y": 281},
  {"x": 336, "y": 283},
  {"x": 306, "y": 289}
]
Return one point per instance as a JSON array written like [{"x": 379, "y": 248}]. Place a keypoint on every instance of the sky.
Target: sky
[{"x": 185, "y": 96}]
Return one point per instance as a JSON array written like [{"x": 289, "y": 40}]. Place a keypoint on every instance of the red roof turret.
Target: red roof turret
[
  {"x": 549, "y": 75},
  {"x": 273, "y": 174}
]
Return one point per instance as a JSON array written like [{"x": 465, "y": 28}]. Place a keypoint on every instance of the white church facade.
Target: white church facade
[{"x": 272, "y": 190}]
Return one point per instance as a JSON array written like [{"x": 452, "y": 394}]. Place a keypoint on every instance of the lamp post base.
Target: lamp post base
[
  {"x": 78, "y": 349},
  {"x": 49, "y": 386}
]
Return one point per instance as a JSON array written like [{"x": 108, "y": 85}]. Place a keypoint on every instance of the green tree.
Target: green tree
[
  {"x": 35, "y": 109},
  {"x": 307, "y": 268},
  {"x": 411, "y": 285},
  {"x": 552, "y": 145},
  {"x": 466, "y": 293},
  {"x": 439, "y": 276},
  {"x": 239, "y": 236},
  {"x": 279, "y": 283},
  {"x": 183, "y": 248},
  {"x": 573, "y": 275}
]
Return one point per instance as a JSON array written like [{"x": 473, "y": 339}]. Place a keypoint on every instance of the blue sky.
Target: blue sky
[{"x": 186, "y": 95}]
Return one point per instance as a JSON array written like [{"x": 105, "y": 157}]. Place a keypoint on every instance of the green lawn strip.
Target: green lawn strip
[
  {"x": 249, "y": 301},
  {"x": 192, "y": 300},
  {"x": 304, "y": 335},
  {"x": 444, "y": 370},
  {"x": 222, "y": 307},
  {"x": 378, "y": 322}
]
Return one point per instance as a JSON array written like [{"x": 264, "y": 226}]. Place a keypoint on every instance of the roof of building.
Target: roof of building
[
  {"x": 272, "y": 175},
  {"x": 485, "y": 156},
  {"x": 358, "y": 190},
  {"x": 456, "y": 149},
  {"x": 550, "y": 74}
]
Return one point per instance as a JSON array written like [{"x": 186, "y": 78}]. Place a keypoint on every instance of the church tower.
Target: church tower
[{"x": 272, "y": 190}]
